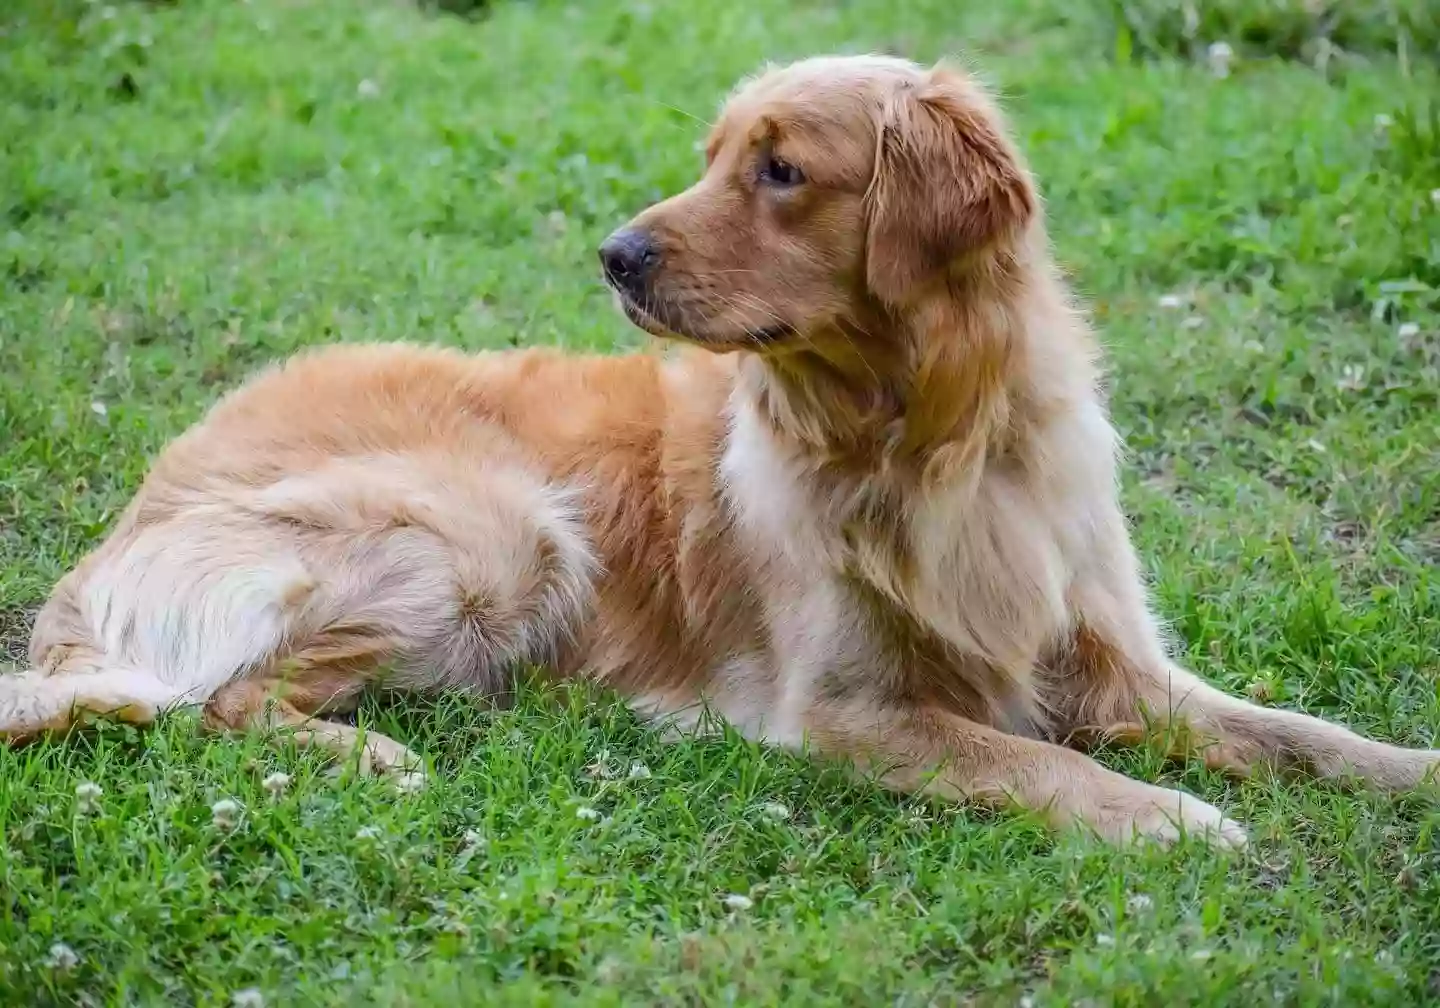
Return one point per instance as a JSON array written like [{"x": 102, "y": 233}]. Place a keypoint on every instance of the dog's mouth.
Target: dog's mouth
[{"x": 659, "y": 320}]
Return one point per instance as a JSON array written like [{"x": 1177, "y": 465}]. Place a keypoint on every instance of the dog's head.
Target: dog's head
[{"x": 834, "y": 189}]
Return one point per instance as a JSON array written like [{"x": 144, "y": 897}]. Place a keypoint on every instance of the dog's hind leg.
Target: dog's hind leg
[
  {"x": 32, "y": 703},
  {"x": 263, "y": 704},
  {"x": 397, "y": 571},
  {"x": 157, "y": 618}
]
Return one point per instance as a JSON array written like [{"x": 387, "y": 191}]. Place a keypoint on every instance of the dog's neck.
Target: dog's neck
[{"x": 947, "y": 380}]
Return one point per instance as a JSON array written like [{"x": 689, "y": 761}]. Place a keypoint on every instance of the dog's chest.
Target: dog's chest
[{"x": 976, "y": 564}]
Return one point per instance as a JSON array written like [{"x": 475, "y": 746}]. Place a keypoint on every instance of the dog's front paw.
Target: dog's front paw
[{"x": 1135, "y": 812}]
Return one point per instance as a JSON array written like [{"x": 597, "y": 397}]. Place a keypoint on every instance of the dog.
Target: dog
[{"x": 867, "y": 507}]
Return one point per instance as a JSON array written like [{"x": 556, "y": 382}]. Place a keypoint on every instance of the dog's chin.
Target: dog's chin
[
  {"x": 753, "y": 340},
  {"x": 640, "y": 317}
]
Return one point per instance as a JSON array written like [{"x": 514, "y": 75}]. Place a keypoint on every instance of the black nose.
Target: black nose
[{"x": 628, "y": 256}]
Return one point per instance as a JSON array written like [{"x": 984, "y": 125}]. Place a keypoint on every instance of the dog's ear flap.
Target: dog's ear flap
[{"x": 947, "y": 182}]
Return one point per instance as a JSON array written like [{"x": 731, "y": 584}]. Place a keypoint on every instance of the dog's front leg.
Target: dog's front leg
[
  {"x": 926, "y": 749},
  {"x": 1117, "y": 683}
]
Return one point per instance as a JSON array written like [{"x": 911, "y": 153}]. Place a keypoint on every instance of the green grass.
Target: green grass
[{"x": 190, "y": 190}]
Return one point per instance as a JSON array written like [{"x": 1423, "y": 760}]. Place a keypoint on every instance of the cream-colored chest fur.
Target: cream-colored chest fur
[{"x": 981, "y": 559}]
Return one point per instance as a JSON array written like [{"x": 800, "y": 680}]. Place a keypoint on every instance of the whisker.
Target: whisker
[{"x": 688, "y": 115}]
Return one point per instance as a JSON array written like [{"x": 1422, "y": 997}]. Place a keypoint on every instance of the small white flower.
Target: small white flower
[
  {"x": 639, "y": 771},
  {"x": 1026, "y": 1001},
  {"x": 1435, "y": 196},
  {"x": 412, "y": 782},
  {"x": 1383, "y": 122},
  {"x": 1139, "y": 903},
  {"x": 99, "y": 409},
  {"x": 1408, "y": 330},
  {"x": 225, "y": 814},
  {"x": 1171, "y": 301},
  {"x": 1105, "y": 940},
  {"x": 276, "y": 783},
  {"x": 1200, "y": 955},
  {"x": 250, "y": 997},
  {"x": 601, "y": 768},
  {"x": 1352, "y": 378},
  {"x": 368, "y": 833},
  {"x": 776, "y": 810},
  {"x": 734, "y": 901},
  {"x": 61, "y": 957},
  {"x": 1192, "y": 322},
  {"x": 1218, "y": 56},
  {"x": 474, "y": 843},
  {"x": 586, "y": 813},
  {"x": 87, "y": 796},
  {"x": 367, "y": 88}
]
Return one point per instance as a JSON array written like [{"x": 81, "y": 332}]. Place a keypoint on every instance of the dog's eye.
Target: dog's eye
[{"x": 774, "y": 171}]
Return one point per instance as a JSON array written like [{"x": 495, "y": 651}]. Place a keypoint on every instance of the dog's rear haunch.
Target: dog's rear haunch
[{"x": 868, "y": 506}]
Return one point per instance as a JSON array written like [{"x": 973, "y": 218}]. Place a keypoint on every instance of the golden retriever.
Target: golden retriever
[{"x": 870, "y": 508}]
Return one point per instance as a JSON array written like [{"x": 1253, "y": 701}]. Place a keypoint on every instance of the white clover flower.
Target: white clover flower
[
  {"x": 735, "y": 901},
  {"x": 87, "y": 796},
  {"x": 776, "y": 810},
  {"x": 1352, "y": 378},
  {"x": 61, "y": 958},
  {"x": 1219, "y": 56},
  {"x": 250, "y": 997},
  {"x": 474, "y": 843},
  {"x": 600, "y": 769},
  {"x": 1139, "y": 903},
  {"x": 225, "y": 814},
  {"x": 1171, "y": 301},
  {"x": 586, "y": 813},
  {"x": 367, "y": 88},
  {"x": 1105, "y": 940},
  {"x": 276, "y": 783},
  {"x": 410, "y": 783},
  {"x": 1408, "y": 330},
  {"x": 639, "y": 771}
]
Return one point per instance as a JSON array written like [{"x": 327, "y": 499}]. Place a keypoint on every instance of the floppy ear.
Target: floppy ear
[{"x": 947, "y": 181}]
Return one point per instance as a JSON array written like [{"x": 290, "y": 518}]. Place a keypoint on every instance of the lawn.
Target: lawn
[{"x": 190, "y": 190}]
